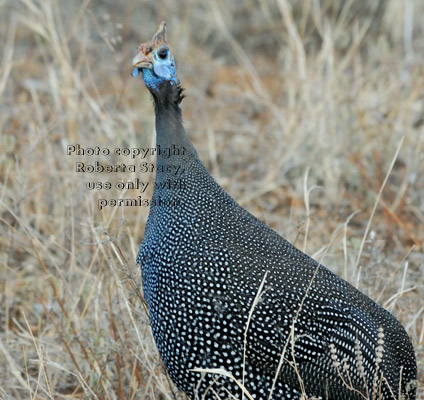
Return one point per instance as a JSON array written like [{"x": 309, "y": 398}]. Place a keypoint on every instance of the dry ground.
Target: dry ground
[{"x": 297, "y": 107}]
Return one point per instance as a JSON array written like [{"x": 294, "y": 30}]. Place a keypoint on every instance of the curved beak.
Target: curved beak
[{"x": 141, "y": 60}]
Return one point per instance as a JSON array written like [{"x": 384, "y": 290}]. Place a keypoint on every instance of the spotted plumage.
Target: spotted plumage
[{"x": 224, "y": 291}]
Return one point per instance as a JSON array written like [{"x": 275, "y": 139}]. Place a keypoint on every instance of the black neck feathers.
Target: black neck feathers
[
  {"x": 168, "y": 96},
  {"x": 169, "y": 124}
]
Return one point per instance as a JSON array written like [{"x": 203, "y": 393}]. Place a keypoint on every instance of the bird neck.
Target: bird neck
[
  {"x": 170, "y": 132},
  {"x": 169, "y": 126}
]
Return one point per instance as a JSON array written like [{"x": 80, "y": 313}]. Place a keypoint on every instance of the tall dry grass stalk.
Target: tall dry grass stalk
[{"x": 291, "y": 96}]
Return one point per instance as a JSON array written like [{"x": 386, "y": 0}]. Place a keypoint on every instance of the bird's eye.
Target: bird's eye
[{"x": 163, "y": 53}]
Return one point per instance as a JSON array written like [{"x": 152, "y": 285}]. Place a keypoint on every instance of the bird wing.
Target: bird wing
[
  {"x": 301, "y": 335},
  {"x": 294, "y": 325}
]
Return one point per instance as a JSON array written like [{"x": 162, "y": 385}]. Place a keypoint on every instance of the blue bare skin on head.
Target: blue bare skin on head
[{"x": 163, "y": 69}]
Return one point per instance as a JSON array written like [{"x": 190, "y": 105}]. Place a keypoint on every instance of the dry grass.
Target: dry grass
[{"x": 297, "y": 107}]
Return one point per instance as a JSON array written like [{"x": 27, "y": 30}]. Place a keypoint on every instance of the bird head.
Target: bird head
[{"x": 156, "y": 61}]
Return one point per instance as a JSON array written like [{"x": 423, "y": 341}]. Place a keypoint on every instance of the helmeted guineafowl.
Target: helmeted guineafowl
[{"x": 226, "y": 292}]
